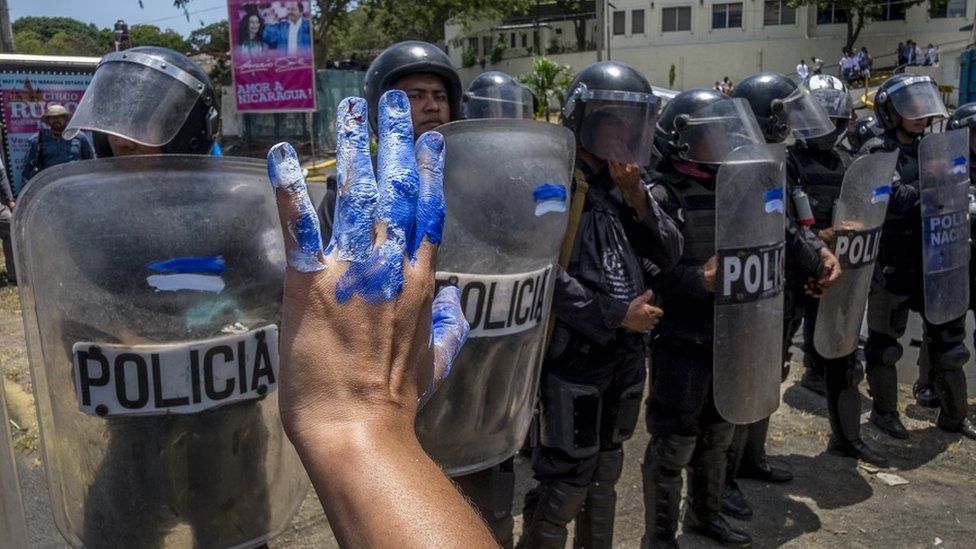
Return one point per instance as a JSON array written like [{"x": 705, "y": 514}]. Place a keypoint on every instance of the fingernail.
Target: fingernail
[
  {"x": 284, "y": 169},
  {"x": 396, "y": 102},
  {"x": 434, "y": 141}
]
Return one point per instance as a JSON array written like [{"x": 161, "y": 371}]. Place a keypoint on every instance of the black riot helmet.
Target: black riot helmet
[
  {"x": 410, "y": 57},
  {"x": 782, "y": 107},
  {"x": 704, "y": 125},
  {"x": 907, "y": 96},
  {"x": 965, "y": 117},
  {"x": 495, "y": 94},
  {"x": 865, "y": 129},
  {"x": 833, "y": 96},
  {"x": 152, "y": 96},
  {"x": 611, "y": 109}
]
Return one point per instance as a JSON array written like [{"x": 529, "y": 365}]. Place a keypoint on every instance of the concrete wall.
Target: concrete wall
[{"x": 703, "y": 55}]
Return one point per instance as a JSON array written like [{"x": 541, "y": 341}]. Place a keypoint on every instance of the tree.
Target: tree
[
  {"x": 579, "y": 10},
  {"x": 58, "y": 36},
  {"x": 425, "y": 20},
  {"x": 214, "y": 38},
  {"x": 151, "y": 35},
  {"x": 548, "y": 81},
  {"x": 860, "y": 13}
]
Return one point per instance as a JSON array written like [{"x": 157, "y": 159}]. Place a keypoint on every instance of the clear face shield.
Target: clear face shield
[
  {"x": 916, "y": 98},
  {"x": 137, "y": 97},
  {"x": 618, "y": 126},
  {"x": 806, "y": 116},
  {"x": 504, "y": 101},
  {"x": 708, "y": 135}
]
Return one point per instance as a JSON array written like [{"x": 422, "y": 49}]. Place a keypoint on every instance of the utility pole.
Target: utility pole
[
  {"x": 6, "y": 29},
  {"x": 601, "y": 33}
]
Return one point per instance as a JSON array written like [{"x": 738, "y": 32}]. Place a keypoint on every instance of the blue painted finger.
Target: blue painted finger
[
  {"x": 302, "y": 224},
  {"x": 355, "y": 211},
  {"x": 430, "y": 195},
  {"x": 449, "y": 331},
  {"x": 398, "y": 179},
  {"x": 378, "y": 279}
]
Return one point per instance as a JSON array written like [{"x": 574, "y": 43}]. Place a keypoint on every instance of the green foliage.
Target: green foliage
[
  {"x": 469, "y": 58},
  {"x": 58, "y": 36},
  {"x": 425, "y": 20},
  {"x": 548, "y": 81},
  {"x": 151, "y": 35},
  {"x": 498, "y": 52},
  {"x": 862, "y": 12},
  {"x": 672, "y": 75},
  {"x": 214, "y": 38}
]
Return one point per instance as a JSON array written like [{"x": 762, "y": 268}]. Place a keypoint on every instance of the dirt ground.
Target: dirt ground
[{"x": 832, "y": 502}]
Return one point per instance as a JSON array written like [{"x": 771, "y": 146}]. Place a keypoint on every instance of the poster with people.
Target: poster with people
[
  {"x": 25, "y": 99},
  {"x": 271, "y": 48}
]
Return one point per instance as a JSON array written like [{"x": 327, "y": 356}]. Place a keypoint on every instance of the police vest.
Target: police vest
[
  {"x": 697, "y": 213},
  {"x": 821, "y": 174}
]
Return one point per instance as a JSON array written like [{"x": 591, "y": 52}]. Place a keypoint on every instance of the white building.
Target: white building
[{"x": 707, "y": 40}]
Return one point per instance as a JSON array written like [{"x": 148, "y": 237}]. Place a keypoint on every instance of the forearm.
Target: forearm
[{"x": 379, "y": 489}]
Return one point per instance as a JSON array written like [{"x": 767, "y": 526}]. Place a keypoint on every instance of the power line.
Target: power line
[{"x": 218, "y": 7}]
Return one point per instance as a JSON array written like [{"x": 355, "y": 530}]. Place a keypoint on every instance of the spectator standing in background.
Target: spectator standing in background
[
  {"x": 932, "y": 55},
  {"x": 803, "y": 70},
  {"x": 48, "y": 148}
]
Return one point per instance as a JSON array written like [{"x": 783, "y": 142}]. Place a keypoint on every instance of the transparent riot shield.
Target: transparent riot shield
[
  {"x": 858, "y": 217},
  {"x": 13, "y": 527},
  {"x": 750, "y": 249},
  {"x": 507, "y": 183},
  {"x": 943, "y": 160},
  {"x": 151, "y": 294}
]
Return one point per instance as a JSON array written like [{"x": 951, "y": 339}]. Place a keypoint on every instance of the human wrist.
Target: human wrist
[{"x": 336, "y": 439}]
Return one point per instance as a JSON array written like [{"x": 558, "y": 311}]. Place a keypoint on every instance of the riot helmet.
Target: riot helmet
[
  {"x": 907, "y": 96},
  {"x": 611, "y": 109},
  {"x": 704, "y": 125},
  {"x": 405, "y": 58},
  {"x": 833, "y": 96},
  {"x": 782, "y": 107},
  {"x": 495, "y": 94},
  {"x": 866, "y": 128},
  {"x": 965, "y": 117},
  {"x": 152, "y": 96}
]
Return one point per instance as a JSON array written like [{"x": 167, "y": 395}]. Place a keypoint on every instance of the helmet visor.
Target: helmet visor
[
  {"x": 619, "y": 126},
  {"x": 709, "y": 134},
  {"x": 807, "y": 118},
  {"x": 499, "y": 102},
  {"x": 838, "y": 104},
  {"x": 917, "y": 97},
  {"x": 137, "y": 97}
]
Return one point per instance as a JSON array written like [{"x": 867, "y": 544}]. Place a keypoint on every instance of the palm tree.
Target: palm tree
[{"x": 548, "y": 81}]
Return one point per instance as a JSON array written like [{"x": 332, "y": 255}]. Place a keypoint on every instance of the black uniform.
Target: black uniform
[
  {"x": 593, "y": 374},
  {"x": 896, "y": 290}
]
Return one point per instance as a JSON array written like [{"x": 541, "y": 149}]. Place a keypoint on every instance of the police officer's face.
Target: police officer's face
[
  {"x": 429, "y": 103},
  {"x": 914, "y": 126},
  {"x": 123, "y": 147}
]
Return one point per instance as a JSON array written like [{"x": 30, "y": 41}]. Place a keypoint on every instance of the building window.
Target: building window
[
  {"x": 827, "y": 15},
  {"x": 890, "y": 10},
  {"x": 637, "y": 22},
  {"x": 676, "y": 19},
  {"x": 727, "y": 16},
  {"x": 619, "y": 23},
  {"x": 778, "y": 12},
  {"x": 511, "y": 41},
  {"x": 486, "y": 44},
  {"x": 952, "y": 8},
  {"x": 525, "y": 40},
  {"x": 473, "y": 45}
]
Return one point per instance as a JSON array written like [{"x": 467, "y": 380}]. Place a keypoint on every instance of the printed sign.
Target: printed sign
[
  {"x": 175, "y": 379},
  {"x": 750, "y": 274},
  {"x": 271, "y": 48},
  {"x": 856, "y": 249},
  {"x": 25, "y": 98},
  {"x": 498, "y": 305}
]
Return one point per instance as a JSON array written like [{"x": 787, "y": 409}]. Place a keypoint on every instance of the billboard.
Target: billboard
[{"x": 271, "y": 48}]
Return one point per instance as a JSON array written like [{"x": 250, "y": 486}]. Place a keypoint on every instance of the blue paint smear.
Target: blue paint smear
[
  {"x": 548, "y": 191},
  {"x": 355, "y": 210},
  {"x": 285, "y": 173},
  {"x": 773, "y": 194},
  {"x": 398, "y": 179},
  {"x": 883, "y": 189},
  {"x": 430, "y": 199},
  {"x": 190, "y": 265},
  {"x": 449, "y": 327},
  {"x": 376, "y": 280},
  {"x": 959, "y": 161}
]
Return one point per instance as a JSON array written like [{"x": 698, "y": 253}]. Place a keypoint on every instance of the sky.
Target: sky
[{"x": 104, "y": 13}]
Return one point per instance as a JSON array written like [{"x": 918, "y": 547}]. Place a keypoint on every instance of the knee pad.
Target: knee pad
[
  {"x": 890, "y": 351},
  {"x": 626, "y": 412},
  {"x": 718, "y": 436},
  {"x": 670, "y": 453},
  {"x": 561, "y": 501},
  {"x": 947, "y": 343},
  {"x": 609, "y": 466},
  {"x": 855, "y": 373},
  {"x": 955, "y": 358}
]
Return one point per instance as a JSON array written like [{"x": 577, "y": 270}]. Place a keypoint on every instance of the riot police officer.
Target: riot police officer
[
  {"x": 782, "y": 109},
  {"x": 865, "y": 128},
  {"x": 905, "y": 105},
  {"x": 817, "y": 165},
  {"x": 425, "y": 73},
  {"x": 593, "y": 374},
  {"x": 494, "y": 94},
  {"x": 132, "y": 466},
  {"x": 698, "y": 128}
]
